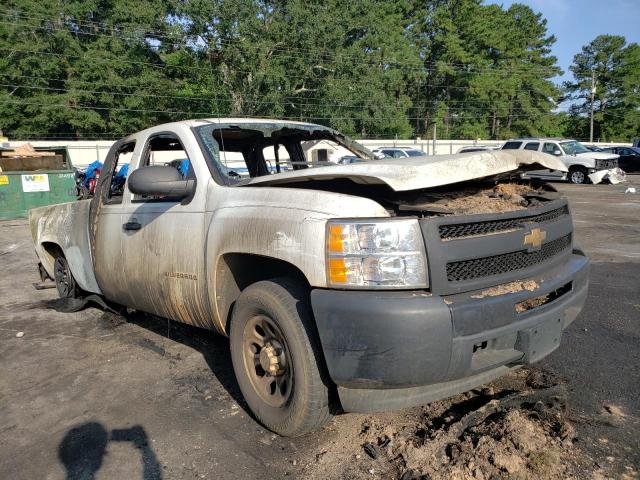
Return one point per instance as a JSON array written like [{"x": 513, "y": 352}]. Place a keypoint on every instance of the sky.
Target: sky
[{"x": 576, "y": 22}]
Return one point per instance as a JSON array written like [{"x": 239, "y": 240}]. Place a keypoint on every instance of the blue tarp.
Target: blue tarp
[
  {"x": 183, "y": 168},
  {"x": 124, "y": 171},
  {"x": 91, "y": 170}
]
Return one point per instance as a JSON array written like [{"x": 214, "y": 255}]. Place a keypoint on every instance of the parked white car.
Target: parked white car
[
  {"x": 394, "y": 152},
  {"x": 580, "y": 161},
  {"x": 476, "y": 148}
]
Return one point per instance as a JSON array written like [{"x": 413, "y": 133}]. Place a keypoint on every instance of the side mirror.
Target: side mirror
[
  {"x": 557, "y": 152},
  {"x": 160, "y": 181}
]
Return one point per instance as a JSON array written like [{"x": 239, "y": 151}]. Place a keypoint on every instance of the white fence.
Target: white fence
[{"x": 83, "y": 152}]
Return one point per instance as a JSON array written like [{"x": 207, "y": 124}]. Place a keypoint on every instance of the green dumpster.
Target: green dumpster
[
  {"x": 33, "y": 177},
  {"x": 20, "y": 191}
]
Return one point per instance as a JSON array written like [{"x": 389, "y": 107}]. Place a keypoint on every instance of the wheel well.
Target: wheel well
[
  {"x": 52, "y": 251},
  {"x": 236, "y": 271}
]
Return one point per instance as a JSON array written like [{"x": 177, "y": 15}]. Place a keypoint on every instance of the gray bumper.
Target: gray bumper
[{"x": 388, "y": 350}]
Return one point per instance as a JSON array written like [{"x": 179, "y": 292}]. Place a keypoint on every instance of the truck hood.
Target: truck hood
[
  {"x": 598, "y": 155},
  {"x": 414, "y": 173}
]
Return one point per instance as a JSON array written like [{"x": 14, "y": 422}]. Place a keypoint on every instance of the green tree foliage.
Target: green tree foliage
[
  {"x": 371, "y": 68},
  {"x": 63, "y": 71},
  {"x": 615, "y": 67},
  {"x": 488, "y": 70}
]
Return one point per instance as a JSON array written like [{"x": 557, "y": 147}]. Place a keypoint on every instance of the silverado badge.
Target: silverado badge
[{"x": 533, "y": 240}]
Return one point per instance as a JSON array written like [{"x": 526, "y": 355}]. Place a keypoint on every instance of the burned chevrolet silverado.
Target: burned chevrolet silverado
[{"x": 370, "y": 286}]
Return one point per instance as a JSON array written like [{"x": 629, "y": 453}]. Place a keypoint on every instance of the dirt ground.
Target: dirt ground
[{"x": 95, "y": 395}]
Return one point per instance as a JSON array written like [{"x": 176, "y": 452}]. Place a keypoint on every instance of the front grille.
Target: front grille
[
  {"x": 606, "y": 164},
  {"x": 462, "y": 230},
  {"x": 504, "y": 263}
]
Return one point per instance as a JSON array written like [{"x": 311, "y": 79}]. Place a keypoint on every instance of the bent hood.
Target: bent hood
[
  {"x": 414, "y": 173},
  {"x": 599, "y": 155}
]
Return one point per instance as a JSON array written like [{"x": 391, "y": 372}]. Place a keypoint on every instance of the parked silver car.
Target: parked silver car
[{"x": 397, "y": 152}]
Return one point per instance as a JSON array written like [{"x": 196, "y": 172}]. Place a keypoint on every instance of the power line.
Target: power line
[
  {"x": 289, "y": 97},
  {"x": 411, "y": 66},
  {"x": 416, "y": 106},
  {"x": 297, "y": 102},
  {"x": 157, "y": 34},
  {"x": 419, "y": 66},
  {"x": 295, "y": 117},
  {"x": 164, "y": 67}
]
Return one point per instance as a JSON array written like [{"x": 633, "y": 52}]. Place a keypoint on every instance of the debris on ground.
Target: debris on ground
[
  {"x": 512, "y": 287},
  {"x": 371, "y": 450},
  {"x": 516, "y": 428},
  {"x": 613, "y": 175},
  {"x": 611, "y": 415},
  {"x": 614, "y": 410}
]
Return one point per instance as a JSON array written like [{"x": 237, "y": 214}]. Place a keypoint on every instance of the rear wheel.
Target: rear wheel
[
  {"x": 276, "y": 358},
  {"x": 578, "y": 175},
  {"x": 65, "y": 283}
]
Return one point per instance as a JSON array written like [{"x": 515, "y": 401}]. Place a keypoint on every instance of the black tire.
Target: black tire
[
  {"x": 284, "y": 306},
  {"x": 578, "y": 175},
  {"x": 65, "y": 283}
]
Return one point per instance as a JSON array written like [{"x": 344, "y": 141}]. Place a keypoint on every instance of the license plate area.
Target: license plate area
[{"x": 539, "y": 340}]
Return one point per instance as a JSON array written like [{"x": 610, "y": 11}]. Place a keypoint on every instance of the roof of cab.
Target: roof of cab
[
  {"x": 198, "y": 122},
  {"x": 541, "y": 139}
]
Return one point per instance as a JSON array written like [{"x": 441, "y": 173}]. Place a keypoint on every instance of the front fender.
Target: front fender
[
  {"x": 295, "y": 237},
  {"x": 577, "y": 161},
  {"x": 279, "y": 223}
]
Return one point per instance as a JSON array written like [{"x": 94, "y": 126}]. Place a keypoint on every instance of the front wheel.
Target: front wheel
[
  {"x": 578, "y": 175},
  {"x": 277, "y": 359}
]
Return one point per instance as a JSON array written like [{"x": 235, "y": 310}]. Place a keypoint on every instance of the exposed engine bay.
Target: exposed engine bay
[
  {"x": 478, "y": 197},
  {"x": 468, "y": 198}
]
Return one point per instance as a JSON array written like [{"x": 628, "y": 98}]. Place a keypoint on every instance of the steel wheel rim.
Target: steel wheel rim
[
  {"x": 267, "y": 361},
  {"x": 62, "y": 276},
  {"x": 577, "y": 177}
]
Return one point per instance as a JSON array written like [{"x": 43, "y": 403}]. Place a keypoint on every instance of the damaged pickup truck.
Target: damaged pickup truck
[{"x": 364, "y": 287}]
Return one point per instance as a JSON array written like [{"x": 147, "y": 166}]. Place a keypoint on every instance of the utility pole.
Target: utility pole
[
  {"x": 593, "y": 94},
  {"x": 434, "y": 138}
]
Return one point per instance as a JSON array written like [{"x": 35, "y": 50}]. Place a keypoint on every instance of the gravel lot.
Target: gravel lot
[{"x": 137, "y": 397}]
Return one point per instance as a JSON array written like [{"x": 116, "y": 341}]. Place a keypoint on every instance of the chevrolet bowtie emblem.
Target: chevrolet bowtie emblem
[{"x": 533, "y": 241}]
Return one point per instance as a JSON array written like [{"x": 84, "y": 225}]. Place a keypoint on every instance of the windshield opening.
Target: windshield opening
[
  {"x": 255, "y": 150},
  {"x": 573, "y": 147}
]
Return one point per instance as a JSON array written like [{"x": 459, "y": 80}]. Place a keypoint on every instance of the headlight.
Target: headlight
[{"x": 375, "y": 254}]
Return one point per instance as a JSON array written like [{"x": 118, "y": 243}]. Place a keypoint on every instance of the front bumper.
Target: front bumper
[{"x": 389, "y": 350}]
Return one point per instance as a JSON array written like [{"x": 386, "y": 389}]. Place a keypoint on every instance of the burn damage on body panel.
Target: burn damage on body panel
[
  {"x": 246, "y": 143},
  {"x": 296, "y": 163},
  {"x": 439, "y": 185}
]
